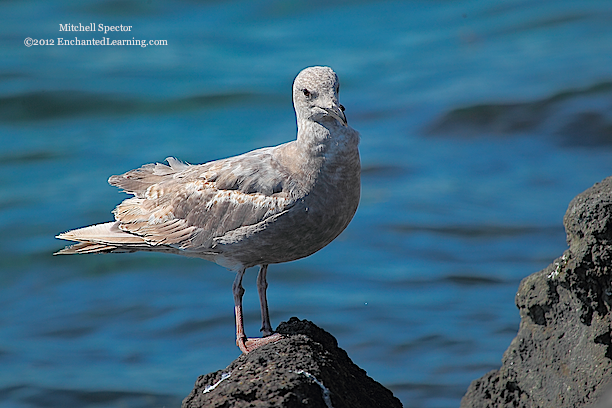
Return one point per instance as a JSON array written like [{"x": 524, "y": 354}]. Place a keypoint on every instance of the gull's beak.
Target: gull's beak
[{"x": 337, "y": 112}]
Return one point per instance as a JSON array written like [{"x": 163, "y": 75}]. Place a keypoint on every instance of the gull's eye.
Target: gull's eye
[{"x": 306, "y": 92}]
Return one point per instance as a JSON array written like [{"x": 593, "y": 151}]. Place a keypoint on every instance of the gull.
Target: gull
[{"x": 270, "y": 205}]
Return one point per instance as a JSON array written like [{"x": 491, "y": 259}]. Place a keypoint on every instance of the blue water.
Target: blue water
[{"x": 480, "y": 121}]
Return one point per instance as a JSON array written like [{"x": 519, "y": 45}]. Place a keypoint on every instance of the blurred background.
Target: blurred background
[{"x": 480, "y": 121}]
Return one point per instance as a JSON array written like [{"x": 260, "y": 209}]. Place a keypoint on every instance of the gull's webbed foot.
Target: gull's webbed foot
[{"x": 249, "y": 344}]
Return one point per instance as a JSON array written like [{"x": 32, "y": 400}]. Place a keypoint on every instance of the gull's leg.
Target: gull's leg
[
  {"x": 247, "y": 345},
  {"x": 262, "y": 286},
  {"x": 269, "y": 336},
  {"x": 238, "y": 291}
]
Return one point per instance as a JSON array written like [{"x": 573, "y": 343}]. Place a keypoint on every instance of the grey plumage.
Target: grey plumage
[{"x": 270, "y": 205}]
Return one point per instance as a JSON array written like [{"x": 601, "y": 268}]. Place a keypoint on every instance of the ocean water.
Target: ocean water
[{"x": 480, "y": 121}]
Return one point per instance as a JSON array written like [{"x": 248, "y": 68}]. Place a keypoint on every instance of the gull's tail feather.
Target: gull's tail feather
[
  {"x": 87, "y": 248},
  {"x": 100, "y": 238}
]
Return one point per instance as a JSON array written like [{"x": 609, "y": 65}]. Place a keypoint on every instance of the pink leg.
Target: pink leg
[
  {"x": 238, "y": 291},
  {"x": 247, "y": 345}
]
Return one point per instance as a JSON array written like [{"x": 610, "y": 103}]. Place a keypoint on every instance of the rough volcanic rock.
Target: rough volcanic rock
[
  {"x": 305, "y": 369},
  {"x": 562, "y": 354}
]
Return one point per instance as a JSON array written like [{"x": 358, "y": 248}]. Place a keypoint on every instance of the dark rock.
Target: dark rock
[
  {"x": 562, "y": 354},
  {"x": 305, "y": 369}
]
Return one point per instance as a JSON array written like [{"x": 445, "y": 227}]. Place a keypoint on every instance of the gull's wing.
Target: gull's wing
[{"x": 187, "y": 206}]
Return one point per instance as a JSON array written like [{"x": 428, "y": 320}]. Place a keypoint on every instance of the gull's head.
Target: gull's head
[{"x": 315, "y": 96}]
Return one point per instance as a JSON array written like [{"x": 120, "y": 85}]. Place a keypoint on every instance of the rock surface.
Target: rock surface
[
  {"x": 562, "y": 354},
  {"x": 305, "y": 369}
]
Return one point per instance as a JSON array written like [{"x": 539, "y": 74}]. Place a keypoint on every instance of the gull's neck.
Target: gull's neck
[
  {"x": 318, "y": 146},
  {"x": 312, "y": 137},
  {"x": 316, "y": 139}
]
